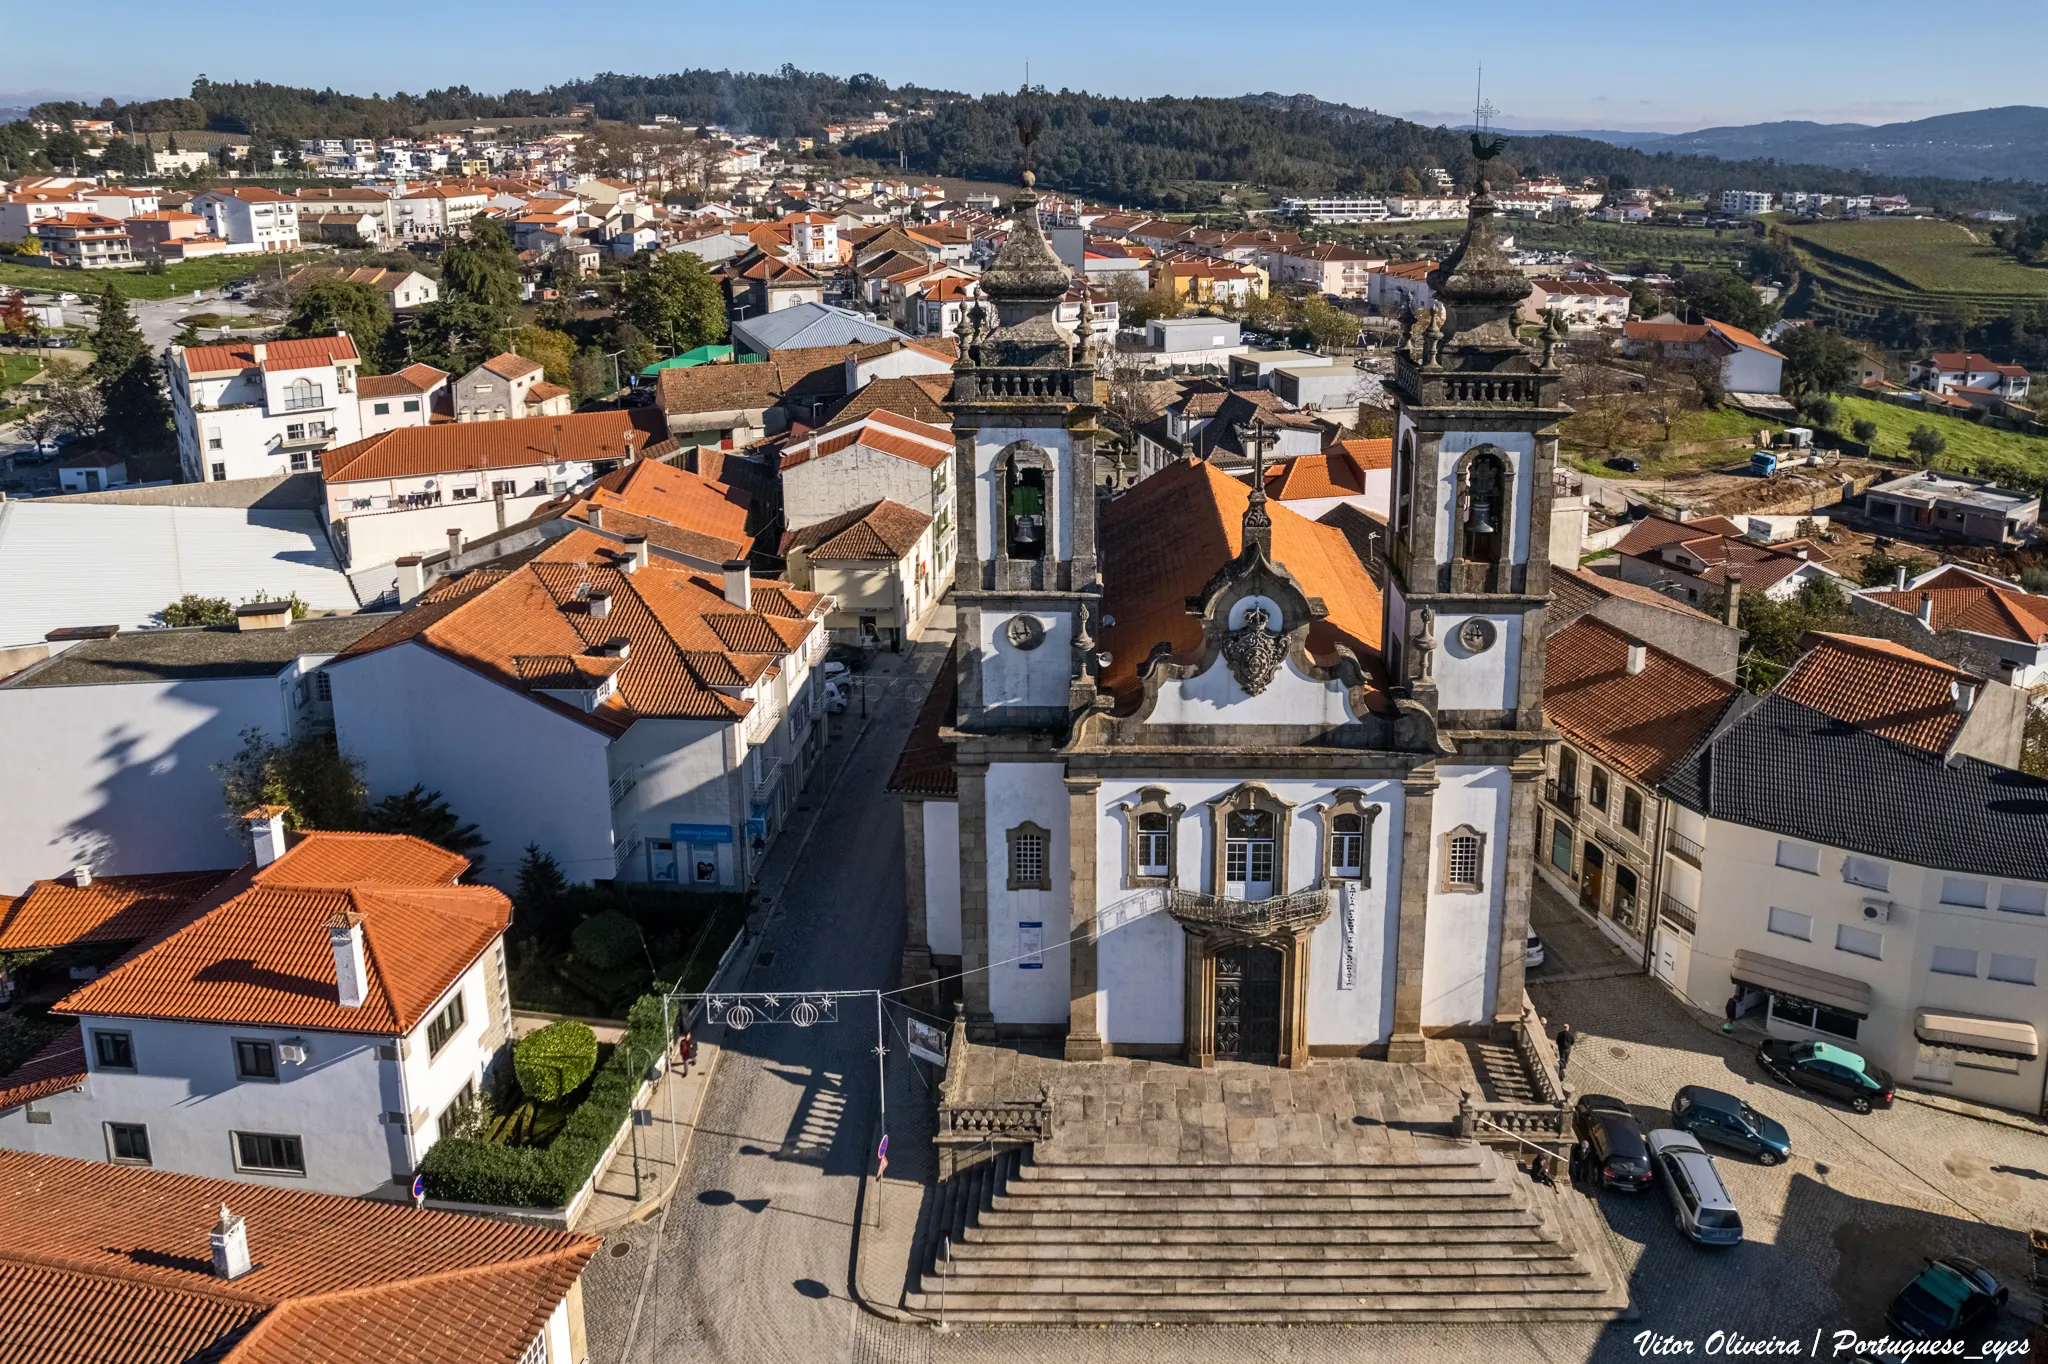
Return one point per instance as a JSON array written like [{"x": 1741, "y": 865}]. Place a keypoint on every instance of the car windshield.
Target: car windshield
[
  {"x": 1721, "y": 1219},
  {"x": 1919, "y": 1305},
  {"x": 1749, "y": 1115}
]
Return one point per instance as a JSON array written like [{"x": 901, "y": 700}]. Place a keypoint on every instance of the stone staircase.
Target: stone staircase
[
  {"x": 1502, "y": 1076},
  {"x": 1455, "y": 1235}
]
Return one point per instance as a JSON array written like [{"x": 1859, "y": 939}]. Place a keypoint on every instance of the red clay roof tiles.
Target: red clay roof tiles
[
  {"x": 1637, "y": 723},
  {"x": 1881, "y": 687}
]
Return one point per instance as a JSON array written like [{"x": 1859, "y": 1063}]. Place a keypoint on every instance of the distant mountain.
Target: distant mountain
[
  {"x": 1614, "y": 137},
  {"x": 2009, "y": 143},
  {"x": 1309, "y": 104}
]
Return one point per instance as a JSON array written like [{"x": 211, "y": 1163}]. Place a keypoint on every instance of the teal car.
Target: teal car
[{"x": 1713, "y": 1116}]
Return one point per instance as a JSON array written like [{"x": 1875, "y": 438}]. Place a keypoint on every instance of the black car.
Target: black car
[
  {"x": 1827, "y": 1069},
  {"x": 1626, "y": 465},
  {"x": 1946, "y": 1299},
  {"x": 1619, "y": 1152},
  {"x": 1712, "y": 1115}
]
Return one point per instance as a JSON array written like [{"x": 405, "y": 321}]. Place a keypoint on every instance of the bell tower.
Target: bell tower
[{"x": 1475, "y": 449}]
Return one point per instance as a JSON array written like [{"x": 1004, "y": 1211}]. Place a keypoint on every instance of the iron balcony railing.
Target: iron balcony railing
[
  {"x": 1564, "y": 799},
  {"x": 1684, "y": 847},
  {"x": 1677, "y": 913}
]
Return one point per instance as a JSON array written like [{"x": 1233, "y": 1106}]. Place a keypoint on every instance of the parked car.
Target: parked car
[
  {"x": 835, "y": 697},
  {"x": 1532, "y": 955},
  {"x": 1623, "y": 464},
  {"x": 1827, "y": 1069},
  {"x": 1712, "y": 1115},
  {"x": 847, "y": 656},
  {"x": 1619, "y": 1155},
  {"x": 1700, "y": 1205},
  {"x": 1946, "y": 1299}
]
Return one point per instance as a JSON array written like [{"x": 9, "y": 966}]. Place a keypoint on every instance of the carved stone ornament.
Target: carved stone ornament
[
  {"x": 1024, "y": 632},
  {"x": 1477, "y": 635},
  {"x": 1253, "y": 652}
]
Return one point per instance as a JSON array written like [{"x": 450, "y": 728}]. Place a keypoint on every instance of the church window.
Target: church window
[
  {"x": 1347, "y": 837},
  {"x": 1485, "y": 507},
  {"x": 1154, "y": 839},
  {"x": 1151, "y": 822},
  {"x": 1028, "y": 860},
  {"x": 1347, "y": 846},
  {"x": 1404, "y": 483},
  {"x": 1249, "y": 843},
  {"x": 1464, "y": 860}
]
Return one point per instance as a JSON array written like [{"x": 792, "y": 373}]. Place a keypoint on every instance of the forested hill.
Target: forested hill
[{"x": 1152, "y": 152}]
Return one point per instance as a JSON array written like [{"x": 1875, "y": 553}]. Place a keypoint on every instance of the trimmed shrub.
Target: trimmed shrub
[
  {"x": 469, "y": 1170},
  {"x": 609, "y": 941},
  {"x": 555, "y": 1061}
]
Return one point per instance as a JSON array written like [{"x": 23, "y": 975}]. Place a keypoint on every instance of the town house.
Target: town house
[
  {"x": 508, "y": 387},
  {"x": 250, "y": 215},
  {"x": 259, "y": 409}
]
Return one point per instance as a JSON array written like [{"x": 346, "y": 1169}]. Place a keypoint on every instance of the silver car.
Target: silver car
[{"x": 1702, "y": 1208}]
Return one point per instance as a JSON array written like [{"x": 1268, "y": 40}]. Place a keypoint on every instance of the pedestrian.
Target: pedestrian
[
  {"x": 1733, "y": 1010},
  {"x": 1565, "y": 1041},
  {"x": 1589, "y": 1168},
  {"x": 1539, "y": 1169},
  {"x": 1578, "y": 1162}
]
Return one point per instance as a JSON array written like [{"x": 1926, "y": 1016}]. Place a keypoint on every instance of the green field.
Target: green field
[
  {"x": 15, "y": 368},
  {"x": 1691, "y": 428},
  {"x": 1972, "y": 449},
  {"x": 1922, "y": 265},
  {"x": 180, "y": 278}
]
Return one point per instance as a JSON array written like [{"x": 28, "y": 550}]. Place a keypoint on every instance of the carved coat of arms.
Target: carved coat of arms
[{"x": 1253, "y": 652}]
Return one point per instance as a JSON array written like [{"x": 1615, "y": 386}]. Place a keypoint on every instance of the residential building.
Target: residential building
[
  {"x": 1927, "y": 505},
  {"x": 256, "y": 409},
  {"x": 1354, "y": 209},
  {"x": 122, "y": 201},
  {"x": 91, "y": 471},
  {"x": 1418, "y": 207},
  {"x": 733, "y": 406},
  {"x": 1581, "y": 302},
  {"x": 1747, "y": 203},
  {"x": 2005, "y": 625},
  {"x": 1697, "y": 561},
  {"x": 1401, "y": 287},
  {"x": 1747, "y": 364},
  {"x": 116, "y": 737},
  {"x": 1853, "y": 860},
  {"x": 123, "y": 1273},
  {"x": 413, "y": 489},
  {"x": 23, "y": 209},
  {"x": 1208, "y": 423},
  {"x": 675, "y": 712},
  {"x": 351, "y": 204},
  {"x": 878, "y": 564},
  {"x": 941, "y": 304},
  {"x": 172, "y": 234},
  {"x": 1353, "y": 473},
  {"x": 245, "y": 215},
  {"x": 340, "y": 1002},
  {"x": 438, "y": 210},
  {"x": 762, "y": 284},
  {"x": 1327, "y": 267},
  {"x": 1711, "y": 644},
  {"x": 1205, "y": 282},
  {"x": 857, "y": 462},
  {"x": 413, "y": 396},
  {"x": 401, "y": 289},
  {"x": 85, "y": 241},
  {"x": 508, "y": 388},
  {"x": 1324, "y": 385},
  {"x": 1968, "y": 375}
]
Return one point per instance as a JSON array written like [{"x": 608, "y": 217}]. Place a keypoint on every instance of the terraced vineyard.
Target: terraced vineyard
[{"x": 1930, "y": 268}]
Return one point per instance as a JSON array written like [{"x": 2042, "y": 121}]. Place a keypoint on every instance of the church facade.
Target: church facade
[{"x": 1196, "y": 784}]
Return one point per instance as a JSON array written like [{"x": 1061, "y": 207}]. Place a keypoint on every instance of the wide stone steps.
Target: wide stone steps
[{"x": 1462, "y": 1238}]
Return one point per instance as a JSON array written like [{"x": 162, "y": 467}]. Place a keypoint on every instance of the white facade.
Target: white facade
[
  {"x": 1746, "y": 202},
  {"x": 261, "y": 422},
  {"x": 252, "y": 216},
  {"x": 375, "y": 520}
]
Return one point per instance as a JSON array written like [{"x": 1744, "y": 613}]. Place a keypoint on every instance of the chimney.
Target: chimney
[
  {"x": 1965, "y": 694},
  {"x": 1731, "y": 607},
  {"x": 230, "y": 1241},
  {"x": 595, "y": 515},
  {"x": 739, "y": 584},
  {"x": 263, "y": 615},
  {"x": 351, "y": 975},
  {"x": 412, "y": 579},
  {"x": 266, "y": 832},
  {"x": 636, "y": 547},
  {"x": 1638, "y": 656},
  {"x": 600, "y": 605},
  {"x": 454, "y": 540},
  {"x": 1927, "y": 609},
  {"x": 1899, "y": 579},
  {"x": 81, "y": 875},
  {"x": 257, "y": 351}
]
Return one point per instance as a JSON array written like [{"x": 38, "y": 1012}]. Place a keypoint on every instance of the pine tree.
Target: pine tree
[{"x": 138, "y": 412}]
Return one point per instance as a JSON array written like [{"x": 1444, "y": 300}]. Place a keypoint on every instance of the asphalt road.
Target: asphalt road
[{"x": 753, "y": 1252}]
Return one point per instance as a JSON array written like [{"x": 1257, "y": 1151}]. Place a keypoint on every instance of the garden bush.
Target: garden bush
[
  {"x": 470, "y": 1170},
  {"x": 555, "y": 1061},
  {"x": 609, "y": 941}
]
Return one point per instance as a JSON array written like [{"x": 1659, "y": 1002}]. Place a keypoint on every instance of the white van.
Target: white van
[{"x": 1702, "y": 1209}]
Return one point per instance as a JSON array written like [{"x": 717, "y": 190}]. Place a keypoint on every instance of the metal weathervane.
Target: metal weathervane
[{"x": 1484, "y": 148}]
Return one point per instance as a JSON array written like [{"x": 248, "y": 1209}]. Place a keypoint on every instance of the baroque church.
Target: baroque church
[{"x": 1204, "y": 781}]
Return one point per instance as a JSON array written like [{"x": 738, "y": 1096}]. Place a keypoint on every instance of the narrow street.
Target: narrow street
[{"x": 750, "y": 1258}]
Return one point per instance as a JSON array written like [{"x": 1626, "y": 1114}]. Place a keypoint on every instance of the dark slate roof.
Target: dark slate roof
[
  {"x": 1791, "y": 770},
  {"x": 196, "y": 653}
]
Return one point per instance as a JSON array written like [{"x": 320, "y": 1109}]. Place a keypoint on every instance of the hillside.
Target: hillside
[
  {"x": 2010, "y": 143},
  {"x": 1930, "y": 269}
]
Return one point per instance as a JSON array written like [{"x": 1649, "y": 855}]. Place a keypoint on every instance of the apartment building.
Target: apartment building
[
  {"x": 250, "y": 215},
  {"x": 259, "y": 409}
]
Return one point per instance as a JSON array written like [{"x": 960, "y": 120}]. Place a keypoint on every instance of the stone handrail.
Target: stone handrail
[{"x": 1538, "y": 1055}]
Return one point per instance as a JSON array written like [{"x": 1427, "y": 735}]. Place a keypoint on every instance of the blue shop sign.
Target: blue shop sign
[{"x": 700, "y": 833}]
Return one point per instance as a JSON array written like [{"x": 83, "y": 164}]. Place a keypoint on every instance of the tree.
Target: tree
[
  {"x": 1817, "y": 360},
  {"x": 322, "y": 307},
  {"x": 541, "y": 885},
  {"x": 1819, "y": 410},
  {"x": 321, "y": 786},
  {"x": 1329, "y": 326},
  {"x": 1926, "y": 444},
  {"x": 1127, "y": 404},
  {"x": 138, "y": 412},
  {"x": 1863, "y": 430},
  {"x": 554, "y": 351},
  {"x": 1643, "y": 299},
  {"x": 425, "y": 814},
  {"x": 72, "y": 400},
  {"x": 193, "y": 609},
  {"x": 15, "y": 318},
  {"x": 1727, "y": 297},
  {"x": 676, "y": 301}
]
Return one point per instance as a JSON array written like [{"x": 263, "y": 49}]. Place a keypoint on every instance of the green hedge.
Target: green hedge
[
  {"x": 470, "y": 1170},
  {"x": 554, "y": 1061}
]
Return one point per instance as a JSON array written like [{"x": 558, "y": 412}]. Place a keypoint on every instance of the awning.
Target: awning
[
  {"x": 1781, "y": 977},
  {"x": 1996, "y": 1036}
]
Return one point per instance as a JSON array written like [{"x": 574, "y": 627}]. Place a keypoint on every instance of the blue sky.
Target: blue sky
[{"x": 1570, "y": 63}]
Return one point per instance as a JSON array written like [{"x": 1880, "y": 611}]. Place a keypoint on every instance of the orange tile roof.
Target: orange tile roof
[
  {"x": 916, "y": 396},
  {"x": 102, "y": 1262},
  {"x": 409, "y": 382},
  {"x": 315, "y": 352},
  {"x": 882, "y": 430},
  {"x": 1371, "y": 453},
  {"x": 262, "y": 956},
  {"x": 111, "y": 909},
  {"x": 1963, "y": 601},
  {"x": 881, "y": 530},
  {"x": 687, "y": 641},
  {"x": 1165, "y": 539},
  {"x": 1879, "y": 686},
  {"x": 676, "y": 497},
  {"x": 1637, "y": 723},
  {"x": 1729, "y": 332},
  {"x": 413, "y": 451},
  {"x": 53, "y": 1070},
  {"x": 1333, "y": 474},
  {"x": 925, "y": 767},
  {"x": 1598, "y": 585},
  {"x": 509, "y": 366}
]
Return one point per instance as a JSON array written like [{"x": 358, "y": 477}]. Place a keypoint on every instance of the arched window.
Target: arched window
[
  {"x": 1151, "y": 850},
  {"x": 1464, "y": 860},
  {"x": 1484, "y": 513},
  {"x": 301, "y": 394},
  {"x": 1249, "y": 839},
  {"x": 1025, "y": 514},
  {"x": 1347, "y": 837}
]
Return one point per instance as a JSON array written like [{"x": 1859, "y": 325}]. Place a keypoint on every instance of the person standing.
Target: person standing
[{"x": 1565, "y": 1042}]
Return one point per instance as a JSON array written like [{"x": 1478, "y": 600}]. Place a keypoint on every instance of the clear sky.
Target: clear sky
[{"x": 1568, "y": 63}]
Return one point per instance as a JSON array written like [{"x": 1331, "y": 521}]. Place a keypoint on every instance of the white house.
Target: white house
[
  {"x": 410, "y": 490},
  {"x": 1582, "y": 302},
  {"x": 1747, "y": 364},
  {"x": 1400, "y": 287},
  {"x": 1854, "y": 862},
  {"x": 410, "y": 397},
  {"x": 1968, "y": 373},
  {"x": 338, "y": 1004},
  {"x": 1357, "y": 473},
  {"x": 878, "y": 563},
  {"x": 1696, "y": 561},
  {"x": 856, "y": 463},
  {"x": 674, "y": 712},
  {"x": 508, "y": 387},
  {"x": 250, "y": 215},
  {"x": 258, "y": 409},
  {"x": 1747, "y": 203},
  {"x": 437, "y": 210},
  {"x": 1992, "y": 614},
  {"x": 113, "y": 740}
]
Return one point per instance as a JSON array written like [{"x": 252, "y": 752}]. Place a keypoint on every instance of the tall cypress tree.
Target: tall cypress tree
[{"x": 138, "y": 410}]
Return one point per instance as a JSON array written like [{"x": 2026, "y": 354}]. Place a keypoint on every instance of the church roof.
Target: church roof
[{"x": 1165, "y": 540}]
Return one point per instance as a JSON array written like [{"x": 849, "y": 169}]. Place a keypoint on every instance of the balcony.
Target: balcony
[
  {"x": 1280, "y": 914},
  {"x": 1683, "y": 848},
  {"x": 1677, "y": 913},
  {"x": 1566, "y": 802}
]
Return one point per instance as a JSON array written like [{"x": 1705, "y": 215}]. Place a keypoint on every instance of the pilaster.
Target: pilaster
[
  {"x": 1084, "y": 1032},
  {"x": 1524, "y": 776},
  {"x": 917, "y": 940},
  {"x": 974, "y": 874},
  {"x": 1418, "y": 834}
]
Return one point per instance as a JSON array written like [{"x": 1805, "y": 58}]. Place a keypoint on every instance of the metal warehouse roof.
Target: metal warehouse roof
[{"x": 83, "y": 563}]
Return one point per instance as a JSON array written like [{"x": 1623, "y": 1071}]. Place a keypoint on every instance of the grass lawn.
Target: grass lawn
[
  {"x": 15, "y": 368},
  {"x": 179, "y": 278},
  {"x": 1972, "y": 449},
  {"x": 1692, "y": 428}
]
